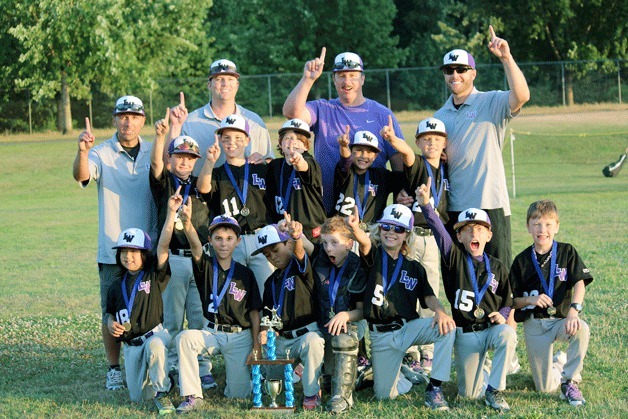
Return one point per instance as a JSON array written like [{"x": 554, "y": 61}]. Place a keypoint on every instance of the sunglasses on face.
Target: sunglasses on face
[
  {"x": 460, "y": 70},
  {"x": 388, "y": 227}
]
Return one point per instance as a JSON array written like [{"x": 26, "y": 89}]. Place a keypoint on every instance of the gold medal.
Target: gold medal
[
  {"x": 478, "y": 313},
  {"x": 331, "y": 313},
  {"x": 364, "y": 227},
  {"x": 178, "y": 224},
  {"x": 385, "y": 304},
  {"x": 127, "y": 326},
  {"x": 245, "y": 211},
  {"x": 551, "y": 311}
]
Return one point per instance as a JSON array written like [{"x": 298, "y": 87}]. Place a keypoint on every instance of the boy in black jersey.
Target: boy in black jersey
[
  {"x": 549, "y": 281},
  {"x": 478, "y": 289},
  {"x": 135, "y": 311},
  {"x": 294, "y": 182}
]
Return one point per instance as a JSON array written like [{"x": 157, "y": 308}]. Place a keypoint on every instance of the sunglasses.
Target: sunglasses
[
  {"x": 388, "y": 227},
  {"x": 460, "y": 70},
  {"x": 129, "y": 107},
  {"x": 344, "y": 64}
]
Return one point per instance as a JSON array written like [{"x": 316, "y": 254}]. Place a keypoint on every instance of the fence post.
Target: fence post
[
  {"x": 270, "y": 99},
  {"x": 329, "y": 86},
  {"x": 619, "y": 81},
  {"x": 150, "y": 101},
  {"x": 91, "y": 117},
  {"x": 562, "y": 77},
  {"x": 512, "y": 162},
  {"x": 388, "y": 89},
  {"x": 30, "y": 114}
]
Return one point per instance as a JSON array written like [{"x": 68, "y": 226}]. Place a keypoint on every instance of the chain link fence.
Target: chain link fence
[{"x": 401, "y": 89}]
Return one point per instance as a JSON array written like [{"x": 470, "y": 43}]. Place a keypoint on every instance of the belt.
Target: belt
[
  {"x": 139, "y": 341},
  {"x": 388, "y": 327},
  {"x": 182, "y": 252},
  {"x": 475, "y": 327},
  {"x": 420, "y": 231},
  {"x": 541, "y": 315},
  {"x": 227, "y": 328},
  {"x": 295, "y": 333}
]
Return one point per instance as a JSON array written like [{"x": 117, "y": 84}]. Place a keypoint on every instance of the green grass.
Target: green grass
[{"x": 51, "y": 357}]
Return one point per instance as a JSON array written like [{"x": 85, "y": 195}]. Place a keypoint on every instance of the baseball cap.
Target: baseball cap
[
  {"x": 184, "y": 145},
  {"x": 399, "y": 215},
  {"x": 365, "y": 138},
  {"x": 223, "y": 66},
  {"x": 458, "y": 57},
  {"x": 224, "y": 221},
  {"x": 473, "y": 215},
  {"x": 431, "y": 125},
  {"x": 268, "y": 236},
  {"x": 129, "y": 104},
  {"x": 348, "y": 61},
  {"x": 234, "y": 121},
  {"x": 296, "y": 125},
  {"x": 134, "y": 238}
]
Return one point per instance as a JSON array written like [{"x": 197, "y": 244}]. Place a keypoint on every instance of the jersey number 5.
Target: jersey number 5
[{"x": 378, "y": 296}]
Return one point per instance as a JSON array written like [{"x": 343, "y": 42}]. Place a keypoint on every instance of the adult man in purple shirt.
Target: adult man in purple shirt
[{"x": 329, "y": 118}]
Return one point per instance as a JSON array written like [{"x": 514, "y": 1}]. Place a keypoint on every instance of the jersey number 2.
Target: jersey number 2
[{"x": 345, "y": 205}]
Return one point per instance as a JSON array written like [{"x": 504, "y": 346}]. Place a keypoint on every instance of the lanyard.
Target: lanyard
[
  {"x": 393, "y": 280},
  {"x": 334, "y": 283},
  {"x": 438, "y": 195},
  {"x": 129, "y": 301},
  {"x": 361, "y": 204},
  {"x": 242, "y": 194},
  {"x": 479, "y": 294},
  {"x": 548, "y": 288},
  {"x": 286, "y": 197},
  {"x": 279, "y": 305},
  {"x": 186, "y": 191},
  {"x": 218, "y": 298}
]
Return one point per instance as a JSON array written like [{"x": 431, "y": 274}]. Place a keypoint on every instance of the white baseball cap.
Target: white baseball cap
[
  {"x": 399, "y": 215},
  {"x": 134, "y": 238},
  {"x": 268, "y": 236},
  {"x": 431, "y": 125},
  {"x": 473, "y": 215},
  {"x": 129, "y": 104},
  {"x": 184, "y": 144},
  {"x": 234, "y": 121},
  {"x": 348, "y": 61},
  {"x": 458, "y": 57},
  {"x": 223, "y": 66},
  {"x": 296, "y": 125},
  {"x": 365, "y": 138}
]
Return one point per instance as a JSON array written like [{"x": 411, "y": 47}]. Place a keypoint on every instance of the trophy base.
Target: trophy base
[{"x": 279, "y": 409}]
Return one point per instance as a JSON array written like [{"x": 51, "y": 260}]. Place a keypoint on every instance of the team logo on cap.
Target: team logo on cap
[
  {"x": 262, "y": 239},
  {"x": 470, "y": 215},
  {"x": 453, "y": 57},
  {"x": 430, "y": 125},
  {"x": 128, "y": 237},
  {"x": 295, "y": 124},
  {"x": 230, "y": 120},
  {"x": 395, "y": 213},
  {"x": 222, "y": 66}
]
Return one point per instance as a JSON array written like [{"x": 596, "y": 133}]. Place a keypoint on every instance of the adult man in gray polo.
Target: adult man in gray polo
[{"x": 120, "y": 168}]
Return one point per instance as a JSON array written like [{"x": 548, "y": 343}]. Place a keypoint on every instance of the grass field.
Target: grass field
[{"x": 51, "y": 358}]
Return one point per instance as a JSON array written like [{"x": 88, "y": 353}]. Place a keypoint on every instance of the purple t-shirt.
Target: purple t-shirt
[{"x": 329, "y": 118}]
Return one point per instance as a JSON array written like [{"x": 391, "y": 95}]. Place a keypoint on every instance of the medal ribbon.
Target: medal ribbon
[
  {"x": 438, "y": 195},
  {"x": 548, "y": 288},
  {"x": 218, "y": 298},
  {"x": 286, "y": 197},
  {"x": 242, "y": 194},
  {"x": 361, "y": 204},
  {"x": 129, "y": 301},
  {"x": 393, "y": 280},
  {"x": 279, "y": 305},
  {"x": 186, "y": 191},
  {"x": 334, "y": 283},
  {"x": 479, "y": 294}
]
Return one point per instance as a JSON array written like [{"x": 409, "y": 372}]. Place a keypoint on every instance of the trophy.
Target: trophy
[{"x": 275, "y": 383}]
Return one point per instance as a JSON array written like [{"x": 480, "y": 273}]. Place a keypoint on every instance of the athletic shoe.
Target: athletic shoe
[
  {"x": 495, "y": 399},
  {"x": 435, "y": 399},
  {"x": 312, "y": 402},
  {"x": 413, "y": 372},
  {"x": 189, "y": 404},
  {"x": 364, "y": 377},
  {"x": 426, "y": 364},
  {"x": 208, "y": 382},
  {"x": 569, "y": 391},
  {"x": 163, "y": 403},
  {"x": 114, "y": 379},
  {"x": 613, "y": 169},
  {"x": 514, "y": 366}
]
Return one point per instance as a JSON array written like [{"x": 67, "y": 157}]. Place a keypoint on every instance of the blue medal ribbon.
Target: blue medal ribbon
[
  {"x": 218, "y": 298},
  {"x": 129, "y": 301},
  {"x": 186, "y": 191},
  {"x": 286, "y": 197},
  {"x": 242, "y": 194},
  {"x": 334, "y": 283},
  {"x": 387, "y": 286},
  {"x": 279, "y": 304},
  {"x": 361, "y": 203},
  {"x": 438, "y": 195},
  {"x": 548, "y": 288},
  {"x": 477, "y": 293}
]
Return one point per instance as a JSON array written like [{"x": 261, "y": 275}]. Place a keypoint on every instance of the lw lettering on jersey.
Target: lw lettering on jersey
[
  {"x": 372, "y": 189},
  {"x": 237, "y": 293},
  {"x": 494, "y": 283},
  {"x": 259, "y": 182},
  {"x": 561, "y": 273},
  {"x": 408, "y": 281},
  {"x": 144, "y": 286},
  {"x": 296, "y": 183},
  {"x": 289, "y": 283},
  {"x": 471, "y": 114}
]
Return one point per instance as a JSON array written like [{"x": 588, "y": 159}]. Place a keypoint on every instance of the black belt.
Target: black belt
[
  {"x": 475, "y": 327},
  {"x": 182, "y": 252},
  {"x": 541, "y": 315},
  {"x": 295, "y": 333},
  {"x": 139, "y": 341},
  {"x": 420, "y": 231},
  {"x": 388, "y": 327},
  {"x": 227, "y": 328}
]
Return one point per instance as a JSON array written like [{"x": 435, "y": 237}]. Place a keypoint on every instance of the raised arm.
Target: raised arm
[
  {"x": 388, "y": 134},
  {"x": 157, "y": 153},
  {"x": 364, "y": 242},
  {"x": 166, "y": 232},
  {"x": 80, "y": 169},
  {"x": 294, "y": 106},
  {"x": 196, "y": 247},
  {"x": 204, "y": 181},
  {"x": 442, "y": 237}
]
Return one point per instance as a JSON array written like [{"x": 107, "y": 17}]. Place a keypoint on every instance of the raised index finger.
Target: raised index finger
[
  {"x": 286, "y": 217},
  {"x": 182, "y": 99},
  {"x": 323, "y": 52},
  {"x": 167, "y": 117},
  {"x": 491, "y": 32},
  {"x": 390, "y": 124},
  {"x": 88, "y": 127}
]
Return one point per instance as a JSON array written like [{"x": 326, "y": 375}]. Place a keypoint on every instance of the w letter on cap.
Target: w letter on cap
[
  {"x": 470, "y": 215},
  {"x": 230, "y": 120},
  {"x": 430, "y": 125},
  {"x": 395, "y": 214},
  {"x": 262, "y": 239},
  {"x": 453, "y": 57},
  {"x": 128, "y": 237}
]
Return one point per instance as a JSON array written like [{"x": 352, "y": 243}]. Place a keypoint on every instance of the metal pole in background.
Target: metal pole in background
[
  {"x": 329, "y": 87},
  {"x": 91, "y": 117},
  {"x": 562, "y": 76},
  {"x": 512, "y": 162},
  {"x": 619, "y": 80},
  {"x": 30, "y": 114},
  {"x": 388, "y": 88},
  {"x": 150, "y": 100},
  {"x": 270, "y": 99}
]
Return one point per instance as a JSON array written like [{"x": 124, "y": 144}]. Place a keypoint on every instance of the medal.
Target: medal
[
  {"x": 245, "y": 211},
  {"x": 127, "y": 326},
  {"x": 128, "y": 301},
  {"x": 385, "y": 284},
  {"x": 436, "y": 195},
  {"x": 334, "y": 284},
  {"x": 361, "y": 203},
  {"x": 278, "y": 303},
  {"x": 217, "y": 298},
  {"x": 364, "y": 227},
  {"x": 178, "y": 224},
  {"x": 242, "y": 194},
  {"x": 548, "y": 285},
  {"x": 331, "y": 313},
  {"x": 551, "y": 311},
  {"x": 478, "y": 313},
  {"x": 478, "y": 294},
  {"x": 385, "y": 304},
  {"x": 186, "y": 194},
  {"x": 285, "y": 193}
]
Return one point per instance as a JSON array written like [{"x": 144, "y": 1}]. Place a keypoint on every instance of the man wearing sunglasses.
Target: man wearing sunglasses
[
  {"x": 329, "y": 118},
  {"x": 476, "y": 124}
]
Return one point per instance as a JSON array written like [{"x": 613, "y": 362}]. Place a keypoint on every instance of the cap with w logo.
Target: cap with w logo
[
  {"x": 134, "y": 238},
  {"x": 399, "y": 215},
  {"x": 473, "y": 215},
  {"x": 296, "y": 125},
  {"x": 458, "y": 57},
  {"x": 268, "y": 236},
  {"x": 366, "y": 138},
  {"x": 236, "y": 122},
  {"x": 431, "y": 125},
  {"x": 223, "y": 66}
]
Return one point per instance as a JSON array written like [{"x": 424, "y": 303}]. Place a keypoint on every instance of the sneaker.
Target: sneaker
[
  {"x": 569, "y": 391},
  {"x": 312, "y": 402},
  {"x": 114, "y": 379},
  {"x": 435, "y": 399},
  {"x": 208, "y": 382},
  {"x": 613, "y": 169},
  {"x": 163, "y": 403},
  {"x": 413, "y": 372},
  {"x": 189, "y": 404},
  {"x": 364, "y": 377},
  {"x": 495, "y": 399},
  {"x": 514, "y": 366},
  {"x": 426, "y": 364}
]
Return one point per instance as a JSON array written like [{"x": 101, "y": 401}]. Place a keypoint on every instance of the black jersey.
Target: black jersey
[
  {"x": 225, "y": 199},
  {"x": 147, "y": 311},
  {"x": 417, "y": 175},
  {"x": 300, "y": 302},
  {"x": 459, "y": 290},
  {"x": 241, "y": 296},
  {"x": 162, "y": 189},
  {"x": 400, "y": 301},
  {"x": 350, "y": 288},
  {"x": 305, "y": 203},
  {"x": 381, "y": 183},
  {"x": 569, "y": 270}
]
